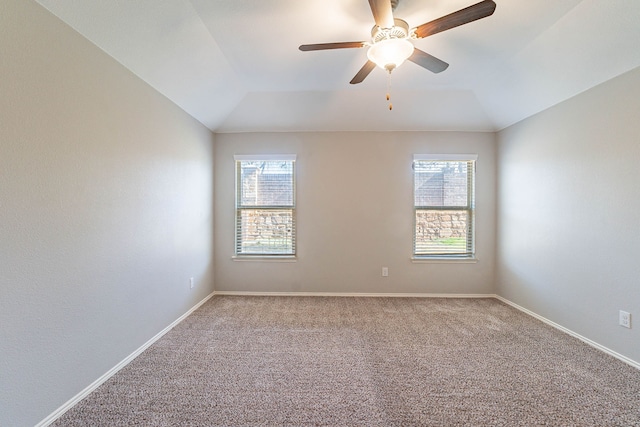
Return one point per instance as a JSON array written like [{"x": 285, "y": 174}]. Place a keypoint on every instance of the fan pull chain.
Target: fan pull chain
[{"x": 389, "y": 90}]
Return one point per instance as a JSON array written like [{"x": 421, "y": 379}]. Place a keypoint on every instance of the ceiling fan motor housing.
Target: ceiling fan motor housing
[{"x": 400, "y": 30}]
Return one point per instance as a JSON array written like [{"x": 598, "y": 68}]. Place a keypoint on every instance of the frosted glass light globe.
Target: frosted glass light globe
[{"x": 390, "y": 53}]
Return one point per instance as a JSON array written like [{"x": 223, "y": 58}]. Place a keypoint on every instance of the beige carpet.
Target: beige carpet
[{"x": 329, "y": 361}]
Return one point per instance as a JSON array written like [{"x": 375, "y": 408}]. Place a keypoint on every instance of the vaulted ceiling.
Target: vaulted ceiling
[{"x": 235, "y": 66}]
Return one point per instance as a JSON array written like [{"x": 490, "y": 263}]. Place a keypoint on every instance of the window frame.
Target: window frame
[
  {"x": 470, "y": 254},
  {"x": 239, "y": 255}
]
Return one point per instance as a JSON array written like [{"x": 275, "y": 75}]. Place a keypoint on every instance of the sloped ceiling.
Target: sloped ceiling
[{"x": 235, "y": 65}]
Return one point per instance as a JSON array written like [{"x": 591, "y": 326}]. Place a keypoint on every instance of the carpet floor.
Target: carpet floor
[{"x": 357, "y": 361}]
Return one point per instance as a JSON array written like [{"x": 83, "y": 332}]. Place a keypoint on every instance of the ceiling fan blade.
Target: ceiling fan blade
[
  {"x": 382, "y": 13},
  {"x": 363, "y": 73},
  {"x": 427, "y": 61},
  {"x": 325, "y": 46},
  {"x": 463, "y": 16}
]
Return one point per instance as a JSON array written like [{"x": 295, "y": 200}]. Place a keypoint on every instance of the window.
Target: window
[
  {"x": 265, "y": 205},
  {"x": 444, "y": 206}
]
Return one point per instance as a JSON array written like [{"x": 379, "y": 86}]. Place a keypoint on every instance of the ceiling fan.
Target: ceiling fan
[{"x": 391, "y": 37}]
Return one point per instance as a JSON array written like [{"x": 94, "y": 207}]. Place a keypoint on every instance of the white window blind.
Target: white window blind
[
  {"x": 265, "y": 205},
  {"x": 444, "y": 205}
]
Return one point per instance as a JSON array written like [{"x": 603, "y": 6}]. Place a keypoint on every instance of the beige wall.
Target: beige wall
[
  {"x": 105, "y": 213},
  {"x": 354, "y": 214},
  {"x": 569, "y": 203}
]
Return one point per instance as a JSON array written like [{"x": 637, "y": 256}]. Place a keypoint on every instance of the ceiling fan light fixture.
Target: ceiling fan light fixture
[{"x": 390, "y": 53}]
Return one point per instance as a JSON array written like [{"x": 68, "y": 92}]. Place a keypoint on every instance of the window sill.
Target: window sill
[
  {"x": 443, "y": 260},
  {"x": 265, "y": 258}
]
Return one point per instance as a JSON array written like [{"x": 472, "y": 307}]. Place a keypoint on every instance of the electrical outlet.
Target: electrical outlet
[
  {"x": 191, "y": 283},
  {"x": 385, "y": 271},
  {"x": 625, "y": 319}
]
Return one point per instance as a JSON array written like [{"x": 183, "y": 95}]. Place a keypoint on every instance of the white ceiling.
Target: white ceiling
[{"x": 235, "y": 65}]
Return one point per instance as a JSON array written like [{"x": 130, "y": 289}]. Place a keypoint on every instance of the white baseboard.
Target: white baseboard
[
  {"x": 94, "y": 385},
  {"x": 573, "y": 334},
  {"x": 350, "y": 294}
]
